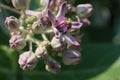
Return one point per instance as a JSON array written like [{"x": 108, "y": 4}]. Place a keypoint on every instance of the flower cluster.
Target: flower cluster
[{"x": 53, "y": 20}]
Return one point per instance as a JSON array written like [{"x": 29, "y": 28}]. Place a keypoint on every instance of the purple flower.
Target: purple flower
[
  {"x": 44, "y": 18},
  {"x": 61, "y": 24},
  {"x": 27, "y": 60}
]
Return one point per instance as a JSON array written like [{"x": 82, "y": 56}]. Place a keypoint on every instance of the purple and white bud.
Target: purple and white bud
[
  {"x": 12, "y": 23},
  {"x": 40, "y": 52},
  {"x": 85, "y": 22},
  {"x": 20, "y": 4},
  {"x": 58, "y": 44},
  {"x": 71, "y": 40},
  {"x": 84, "y": 10},
  {"x": 17, "y": 42},
  {"x": 37, "y": 27},
  {"x": 27, "y": 60},
  {"x": 71, "y": 57},
  {"x": 52, "y": 65}
]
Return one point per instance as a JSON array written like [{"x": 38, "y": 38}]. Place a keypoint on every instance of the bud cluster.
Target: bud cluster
[{"x": 52, "y": 20}]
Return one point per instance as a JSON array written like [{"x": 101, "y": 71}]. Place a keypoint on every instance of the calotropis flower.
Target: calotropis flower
[
  {"x": 17, "y": 42},
  {"x": 27, "y": 60},
  {"x": 58, "y": 32},
  {"x": 61, "y": 24},
  {"x": 12, "y": 23}
]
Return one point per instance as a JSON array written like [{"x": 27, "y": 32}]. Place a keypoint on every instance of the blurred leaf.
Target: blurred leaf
[
  {"x": 97, "y": 59},
  {"x": 34, "y": 4},
  {"x": 3, "y": 15}
]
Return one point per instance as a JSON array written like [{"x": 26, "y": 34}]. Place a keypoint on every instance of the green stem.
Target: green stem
[
  {"x": 44, "y": 37},
  {"x": 9, "y": 8},
  {"x": 22, "y": 17},
  {"x": 30, "y": 45}
]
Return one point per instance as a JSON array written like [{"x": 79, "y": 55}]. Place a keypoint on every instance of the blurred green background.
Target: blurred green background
[{"x": 100, "y": 48}]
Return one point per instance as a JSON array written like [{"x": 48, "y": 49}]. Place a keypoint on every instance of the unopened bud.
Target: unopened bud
[
  {"x": 31, "y": 19},
  {"x": 58, "y": 44},
  {"x": 84, "y": 10},
  {"x": 52, "y": 65},
  {"x": 17, "y": 42},
  {"x": 85, "y": 22},
  {"x": 12, "y": 23},
  {"x": 27, "y": 60},
  {"x": 20, "y": 4},
  {"x": 37, "y": 27},
  {"x": 40, "y": 51},
  {"x": 72, "y": 57}
]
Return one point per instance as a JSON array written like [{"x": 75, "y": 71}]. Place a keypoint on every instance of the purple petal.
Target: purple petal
[
  {"x": 57, "y": 33},
  {"x": 51, "y": 17},
  {"x": 49, "y": 4},
  {"x": 33, "y": 13},
  {"x": 76, "y": 25},
  {"x": 71, "y": 39},
  {"x": 62, "y": 10}
]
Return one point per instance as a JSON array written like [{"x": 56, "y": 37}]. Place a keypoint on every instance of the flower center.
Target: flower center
[{"x": 63, "y": 24}]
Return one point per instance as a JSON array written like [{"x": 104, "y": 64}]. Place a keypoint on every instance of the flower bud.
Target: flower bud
[
  {"x": 85, "y": 22},
  {"x": 52, "y": 65},
  {"x": 31, "y": 19},
  {"x": 20, "y": 4},
  {"x": 43, "y": 3},
  {"x": 40, "y": 51},
  {"x": 17, "y": 42},
  {"x": 84, "y": 10},
  {"x": 58, "y": 44},
  {"x": 27, "y": 60},
  {"x": 37, "y": 27},
  {"x": 12, "y": 23},
  {"x": 71, "y": 57}
]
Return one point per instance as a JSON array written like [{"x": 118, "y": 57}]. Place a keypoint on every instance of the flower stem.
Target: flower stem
[
  {"x": 9, "y": 8},
  {"x": 30, "y": 45},
  {"x": 22, "y": 17},
  {"x": 44, "y": 37}
]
